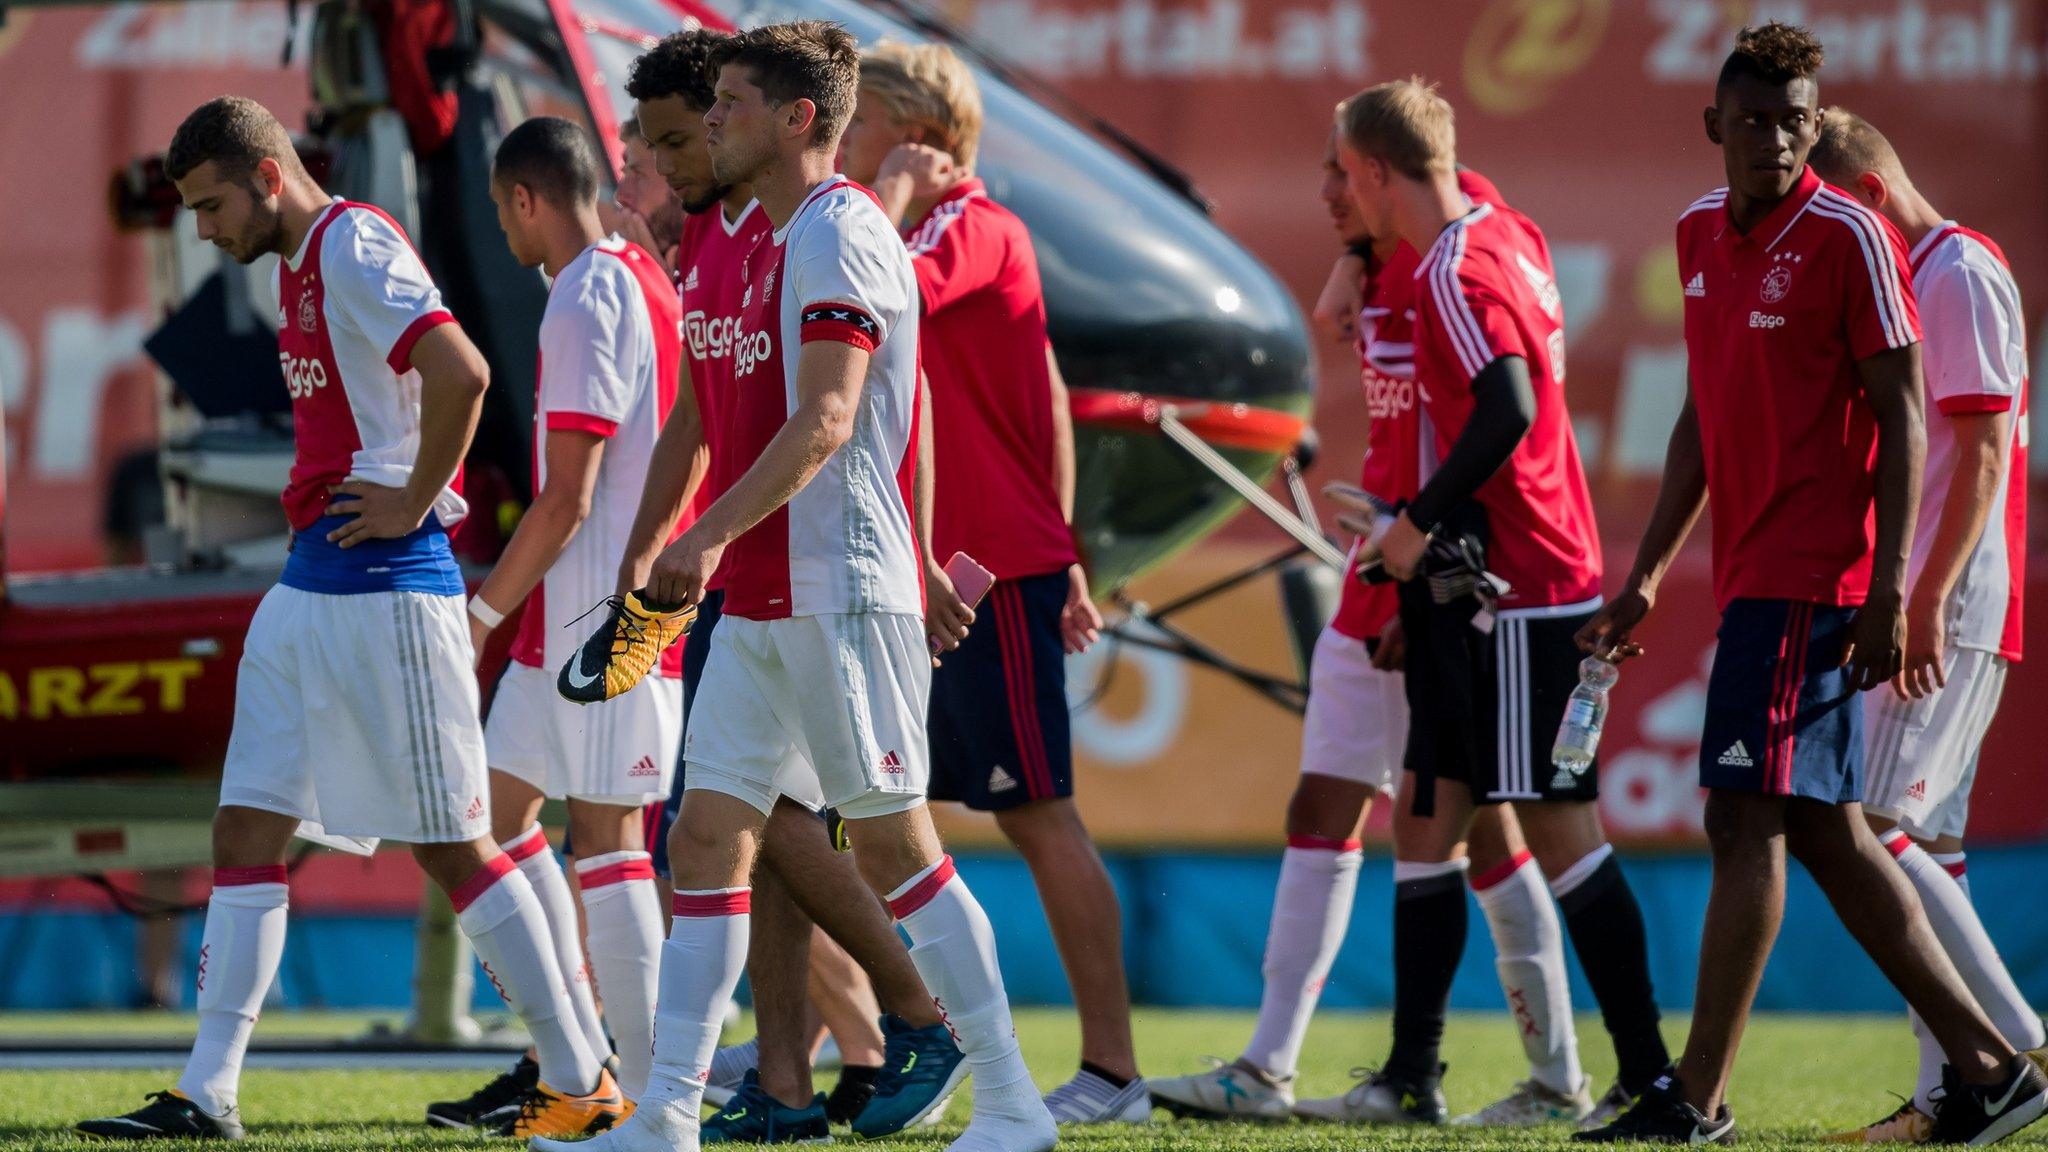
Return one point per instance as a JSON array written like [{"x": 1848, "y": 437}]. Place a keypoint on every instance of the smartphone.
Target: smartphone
[{"x": 970, "y": 580}]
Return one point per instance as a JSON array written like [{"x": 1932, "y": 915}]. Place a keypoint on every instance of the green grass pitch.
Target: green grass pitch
[{"x": 1799, "y": 1076}]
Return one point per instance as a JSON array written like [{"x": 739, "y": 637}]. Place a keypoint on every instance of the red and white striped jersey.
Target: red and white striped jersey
[
  {"x": 610, "y": 349},
  {"x": 837, "y": 270},
  {"x": 1974, "y": 360},
  {"x": 352, "y": 302}
]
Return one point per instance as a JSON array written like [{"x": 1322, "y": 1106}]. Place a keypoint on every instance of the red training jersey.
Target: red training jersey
[
  {"x": 708, "y": 262},
  {"x": 1775, "y": 321},
  {"x": 1486, "y": 289},
  {"x": 983, "y": 348}
]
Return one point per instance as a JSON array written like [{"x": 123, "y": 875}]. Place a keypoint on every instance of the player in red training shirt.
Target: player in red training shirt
[
  {"x": 1487, "y": 673},
  {"x": 364, "y": 630},
  {"x": 1802, "y": 418},
  {"x": 1963, "y": 607},
  {"x": 1003, "y": 454},
  {"x": 1353, "y": 739},
  {"x": 854, "y": 945}
]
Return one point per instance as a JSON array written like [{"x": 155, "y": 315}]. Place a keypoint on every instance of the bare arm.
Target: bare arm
[
  {"x": 946, "y": 615},
  {"x": 681, "y": 459},
  {"x": 453, "y": 378},
  {"x": 1064, "y": 470},
  {"x": 1983, "y": 448},
  {"x": 558, "y": 510},
  {"x": 1681, "y": 497},
  {"x": 923, "y": 489},
  {"x": 1877, "y": 636}
]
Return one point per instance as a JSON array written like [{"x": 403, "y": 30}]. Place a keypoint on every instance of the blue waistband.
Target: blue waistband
[{"x": 418, "y": 562}]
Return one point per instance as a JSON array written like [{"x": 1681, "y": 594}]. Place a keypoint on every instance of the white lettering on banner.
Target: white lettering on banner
[
  {"x": 1144, "y": 39},
  {"x": 1146, "y": 734},
  {"x": 82, "y": 353},
  {"x": 231, "y": 34},
  {"x": 1903, "y": 40}
]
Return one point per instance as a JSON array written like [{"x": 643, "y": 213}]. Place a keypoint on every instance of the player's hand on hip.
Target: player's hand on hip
[
  {"x": 1392, "y": 653},
  {"x": 1080, "y": 622},
  {"x": 1610, "y": 633},
  {"x": 1876, "y": 647},
  {"x": 683, "y": 569},
  {"x": 379, "y": 512},
  {"x": 1923, "y": 672},
  {"x": 946, "y": 615},
  {"x": 1402, "y": 547}
]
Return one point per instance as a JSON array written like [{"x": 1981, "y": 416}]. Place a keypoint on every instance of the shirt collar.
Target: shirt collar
[
  {"x": 1927, "y": 243},
  {"x": 835, "y": 181},
  {"x": 970, "y": 187},
  {"x": 732, "y": 227},
  {"x": 1772, "y": 228},
  {"x": 292, "y": 261}
]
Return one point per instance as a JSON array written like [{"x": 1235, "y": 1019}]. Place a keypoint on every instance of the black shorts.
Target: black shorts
[
  {"x": 998, "y": 725},
  {"x": 1484, "y": 706},
  {"x": 1781, "y": 717}
]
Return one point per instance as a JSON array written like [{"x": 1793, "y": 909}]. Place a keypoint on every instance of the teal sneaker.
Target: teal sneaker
[
  {"x": 920, "y": 1069},
  {"x": 752, "y": 1116}
]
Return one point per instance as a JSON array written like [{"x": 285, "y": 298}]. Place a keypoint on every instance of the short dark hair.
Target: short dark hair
[
  {"x": 553, "y": 157},
  {"x": 629, "y": 129},
  {"x": 1777, "y": 53},
  {"x": 815, "y": 60},
  {"x": 1849, "y": 146},
  {"x": 680, "y": 64},
  {"x": 235, "y": 133}
]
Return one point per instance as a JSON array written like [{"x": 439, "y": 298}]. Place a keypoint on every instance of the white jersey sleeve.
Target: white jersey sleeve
[
  {"x": 1975, "y": 355},
  {"x": 376, "y": 282},
  {"x": 586, "y": 370},
  {"x": 845, "y": 274}
]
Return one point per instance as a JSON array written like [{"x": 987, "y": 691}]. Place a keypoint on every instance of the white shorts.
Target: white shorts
[
  {"x": 827, "y": 710},
  {"x": 622, "y": 751},
  {"x": 359, "y": 714},
  {"x": 1921, "y": 755},
  {"x": 1356, "y": 728}
]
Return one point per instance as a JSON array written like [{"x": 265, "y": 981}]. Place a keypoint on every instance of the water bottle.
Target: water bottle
[{"x": 1584, "y": 714}]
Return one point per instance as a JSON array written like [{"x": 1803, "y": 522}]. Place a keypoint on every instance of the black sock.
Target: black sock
[
  {"x": 1606, "y": 927},
  {"x": 855, "y": 1088},
  {"x": 1121, "y": 1082},
  {"x": 1429, "y": 937}
]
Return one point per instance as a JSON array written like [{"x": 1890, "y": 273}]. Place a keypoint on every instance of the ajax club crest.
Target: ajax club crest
[
  {"x": 309, "y": 313},
  {"x": 1778, "y": 281}
]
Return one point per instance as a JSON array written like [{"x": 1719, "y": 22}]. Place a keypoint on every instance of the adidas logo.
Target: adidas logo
[
  {"x": 690, "y": 281},
  {"x": 1697, "y": 286},
  {"x": 1917, "y": 791},
  {"x": 1736, "y": 757},
  {"x": 476, "y": 809},
  {"x": 1000, "y": 781},
  {"x": 645, "y": 767},
  {"x": 892, "y": 763}
]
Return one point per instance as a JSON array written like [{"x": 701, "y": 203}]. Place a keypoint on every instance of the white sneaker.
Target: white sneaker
[
  {"x": 1532, "y": 1103},
  {"x": 1011, "y": 1118},
  {"x": 1089, "y": 1099},
  {"x": 1612, "y": 1104},
  {"x": 1226, "y": 1091},
  {"x": 1378, "y": 1099},
  {"x": 729, "y": 1068}
]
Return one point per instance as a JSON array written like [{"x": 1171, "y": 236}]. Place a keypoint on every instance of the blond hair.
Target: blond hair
[
  {"x": 927, "y": 86},
  {"x": 1404, "y": 123}
]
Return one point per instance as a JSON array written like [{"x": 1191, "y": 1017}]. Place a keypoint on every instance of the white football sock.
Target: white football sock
[
  {"x": 1942, "y": 886},
  {"x": 238, "y": 958},
  {"x": 1311, "y": 910},
  {"x": 1530, "y": 960},
  {"x": 624, "y": 914},
  {"x": 537, "y": 862},
  {"x": 955, "y": 951},
  {"x": 700, "y": 966},
  {"x": 503, "y": 920}
]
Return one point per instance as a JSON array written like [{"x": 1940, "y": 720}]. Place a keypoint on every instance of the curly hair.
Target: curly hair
[
  {"x": 680, "y": 64},
  {"x": 814, "y": 60},
  {"x": 1777, "y": 53}
]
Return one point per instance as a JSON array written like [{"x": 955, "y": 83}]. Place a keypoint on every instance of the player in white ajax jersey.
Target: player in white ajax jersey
[
  {"x": 355, "y": 704},
  {"x": 1966, "y": 576}
]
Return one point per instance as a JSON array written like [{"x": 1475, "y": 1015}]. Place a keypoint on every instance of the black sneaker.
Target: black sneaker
[
  {"x": 1988, "y": 1113},
  {"x": 752, "y": 1116},
  {"x": 1661, "y": 1116},
  {"x": 492, "y": 1106},
  {"x": 168, "y": 1116}
]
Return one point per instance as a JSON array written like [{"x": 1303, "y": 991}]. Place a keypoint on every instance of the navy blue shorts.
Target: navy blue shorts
[
  {"x": 1781, "y": 719},
  {"x": 998, "y": 725},
  {"x": 696, "y": 650}
]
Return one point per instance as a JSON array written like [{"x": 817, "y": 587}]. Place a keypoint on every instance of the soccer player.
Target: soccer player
[
  {"x": 1964, "y": 581},
  {"x": 1003, "y": 446},
  {"x": 609, "y": 354},
  {"x": 648, "y": 213},
  {"x": 1802, "y": 419},
  {"x": 1353, "y": 738},
  {"x": 817, "y": 680},
  {"x": 1487, "y": 677},
  {"x": 856, "y": 957},
  {"x": 355, "y": 702}
]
